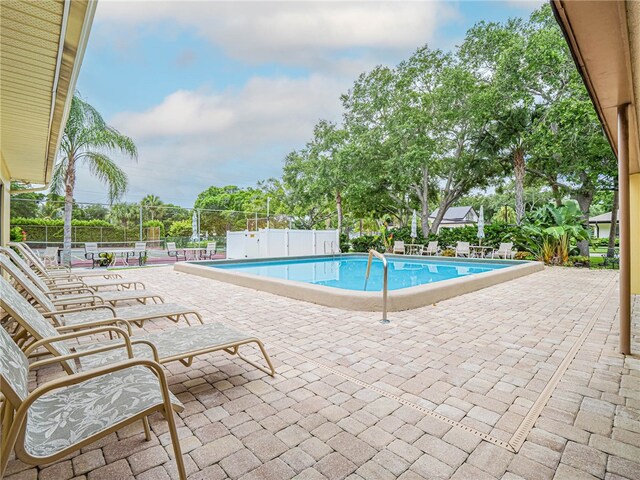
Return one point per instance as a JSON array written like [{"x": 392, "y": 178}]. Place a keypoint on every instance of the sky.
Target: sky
[{"x": 218, "y": 92}]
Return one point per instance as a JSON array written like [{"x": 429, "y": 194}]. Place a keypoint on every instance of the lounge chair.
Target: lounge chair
[
  {"x": 398, "y": 247},
  {"x": 210, "y": 251},
  {"x": 173, "y": 251},
  {"x": 57, "y": 271},
  {"x": 68, "y": 413},
  {"x": 505, "y": 250},
  {"x": 431, "y": 249},
  {"x": 95, "y": 315},
  {"x": 178, "y": 344},
  {"x": 139, "y": 252},
  {"x": 74, "y": 293},
  {"x": 463, "y": 249},
  {"x": 71, "y": 279}
]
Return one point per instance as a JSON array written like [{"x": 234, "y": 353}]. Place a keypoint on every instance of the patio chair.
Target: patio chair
[
  {"x": 173, "y": 251},
  {"x": 71, "y": 280},
  {"x": 210, "y": 251},
  {"x": 92, "y": 253},
  {"x": 398, "y": 247},
  {"x": 463, "y": 249},
  {"x": 431, "y": 248},
  {"x": 139, "y": 252},
  {"x": 74, "y": 294},
  {"x": 71, "y": 412},
  {"x": 505, "y": 250},
  {"x": 57, "y": 271},
  {"x": 50, "y": 257},
  {"x": 178, "y": 344},
  {"x": 94, "y": 315},
  {"x": 611, "y": 258}
]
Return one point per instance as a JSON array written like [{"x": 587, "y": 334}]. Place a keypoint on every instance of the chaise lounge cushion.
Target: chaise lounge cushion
[
  {"x": 69, "y": 415},
  {"x": 181, "y": 343}
]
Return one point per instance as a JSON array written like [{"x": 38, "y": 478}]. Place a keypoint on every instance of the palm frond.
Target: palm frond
[{"x": 108, "y": 173}]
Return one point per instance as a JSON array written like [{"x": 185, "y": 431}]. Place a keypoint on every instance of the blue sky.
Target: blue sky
[{"x": 217, "y": 93}]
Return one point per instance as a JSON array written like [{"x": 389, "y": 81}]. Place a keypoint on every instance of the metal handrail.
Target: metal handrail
[{"x": 374, "y": 253}]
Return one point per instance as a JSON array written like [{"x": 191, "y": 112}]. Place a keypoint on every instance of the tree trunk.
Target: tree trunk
[
  {"x": 584, "y": 199},
  {"x": 614, "y": 223},
  {"x": 555, "y": 190},
  {"x": 339, "y": 211},
  {"x": 424, "y": 203},
  {"x": 69, "y": 185},
  {"x": 519, "y": 171}
]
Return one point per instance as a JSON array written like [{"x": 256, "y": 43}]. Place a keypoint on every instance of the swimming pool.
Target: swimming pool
[
  {"x": 349, "y": 272},
  {"x": 338, "y": 280}
]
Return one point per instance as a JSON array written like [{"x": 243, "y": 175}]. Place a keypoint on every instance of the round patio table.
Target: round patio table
[
  {"x": 480, "y": 251},
  {"x": 195, "y": 253}
]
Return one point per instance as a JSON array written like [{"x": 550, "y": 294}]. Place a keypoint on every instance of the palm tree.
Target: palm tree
[
  {"x": 86, "y": 141},
  {"x": 151, "y": 203}
]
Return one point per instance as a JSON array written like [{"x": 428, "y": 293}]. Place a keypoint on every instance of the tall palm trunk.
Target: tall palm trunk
[
  {"x": 69, "y": 185},
  {"x": 519, "y": 171}
]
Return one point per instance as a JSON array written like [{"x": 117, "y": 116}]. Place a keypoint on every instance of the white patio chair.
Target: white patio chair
[
  {"x": 50, "y": 257},
  {"x": 68, "y": 413},
  {"x": 431, "y": 248},
  {"x": 139, "y": 252},
  {"x": 210, "y": 251},
  {"x": 505, "y": 250},
  {"x": 398, "y": 247},
  {"x": 463, "y": 249},
  {"x": 173, "y": 251}
]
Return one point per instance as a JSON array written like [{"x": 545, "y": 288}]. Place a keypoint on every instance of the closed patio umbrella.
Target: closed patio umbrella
[
  {"x": 481, "y": 225},
  {"x": 414, "y": 226},
  {"x": 194, "y": 227}
]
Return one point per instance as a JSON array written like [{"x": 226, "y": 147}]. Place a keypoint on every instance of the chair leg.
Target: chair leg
[
  {"x": 175, "y": 441},
  {"x": 147, "y": 429}
]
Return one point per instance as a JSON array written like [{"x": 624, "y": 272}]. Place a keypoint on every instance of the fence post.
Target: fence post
[
  {"x": 100, "y": 234},
  {"x": 140, "y": 221},
  {"x": 46, "y": 235}
]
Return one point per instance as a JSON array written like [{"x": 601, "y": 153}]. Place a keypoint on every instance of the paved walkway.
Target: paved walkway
[{"x": 454, "y": 390}]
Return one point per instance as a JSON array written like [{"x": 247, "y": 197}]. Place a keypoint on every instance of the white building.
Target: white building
[
  {"x": 601, "y": 225},
  {"x": 456, "y": 217}
]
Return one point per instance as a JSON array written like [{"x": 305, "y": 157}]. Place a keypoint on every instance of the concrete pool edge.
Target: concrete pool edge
[{"x": 402, "y": 299}]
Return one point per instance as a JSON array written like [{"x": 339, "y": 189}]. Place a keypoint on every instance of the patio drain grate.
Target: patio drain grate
[{"x": 518, "y": 438}]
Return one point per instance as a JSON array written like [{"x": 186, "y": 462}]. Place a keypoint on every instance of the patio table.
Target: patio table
[
  {"x": 122, "y": 252},
  {"x": 479, "y": 251},
  {"x": 413, "y": 248},
  {"x": 195, "y": 253}
]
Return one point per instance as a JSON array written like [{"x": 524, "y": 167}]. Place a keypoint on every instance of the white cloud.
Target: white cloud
[
  {"x": 292, "y": 32},
  {"x": 266, "y": 110}
]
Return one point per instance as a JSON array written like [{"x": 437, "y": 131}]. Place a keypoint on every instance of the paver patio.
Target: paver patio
[{"x": 446, "y": 391}]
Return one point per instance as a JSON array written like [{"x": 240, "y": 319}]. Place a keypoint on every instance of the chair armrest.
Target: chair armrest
[
  {"x": 97, "y": 323},
  {"x": 80, "y": 309}
]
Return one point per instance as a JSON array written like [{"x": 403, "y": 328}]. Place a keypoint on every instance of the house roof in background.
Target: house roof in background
[
  {"x": 453, "y": 214},
  {"x": 602, "y": 218}
]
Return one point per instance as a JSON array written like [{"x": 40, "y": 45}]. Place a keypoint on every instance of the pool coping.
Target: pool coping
[{"x": 398, "y": 300}]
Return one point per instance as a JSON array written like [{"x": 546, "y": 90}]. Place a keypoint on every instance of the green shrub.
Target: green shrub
[
  {"x": 345, "y": 244},
  {"x": 448, "y": 252},
  {"x": 523, "y": 256},
  {"x": 578, "y": 261},
  {"x": 15, "y": 234},
  {"x": 180, "y": 228},
  {"x": 366, "y": 243}
]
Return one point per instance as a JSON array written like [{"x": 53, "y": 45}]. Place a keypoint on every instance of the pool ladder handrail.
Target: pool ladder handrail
[{"x": 385, "y": 268}]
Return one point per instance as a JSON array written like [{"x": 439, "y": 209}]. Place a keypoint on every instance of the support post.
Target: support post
[
  {"x": 140, "y": 221},
  {"x": 625, "y": 252}
]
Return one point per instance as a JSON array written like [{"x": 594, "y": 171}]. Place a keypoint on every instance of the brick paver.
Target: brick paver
[{"x": 352, "y": 397}]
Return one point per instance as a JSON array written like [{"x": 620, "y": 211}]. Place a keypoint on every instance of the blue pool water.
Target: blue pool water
[{"x": 349, "y": 272}]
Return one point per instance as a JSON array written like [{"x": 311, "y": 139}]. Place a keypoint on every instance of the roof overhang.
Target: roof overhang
[
  {"x": 604, "y": 38},
  {"x": 41, "y": 48}
]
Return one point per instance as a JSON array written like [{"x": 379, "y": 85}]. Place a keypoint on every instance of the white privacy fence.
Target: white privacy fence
[{"x": 281, "y": 243}]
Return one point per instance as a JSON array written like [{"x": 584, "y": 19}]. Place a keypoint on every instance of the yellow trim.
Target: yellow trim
[{"x": 634, "y": 223}]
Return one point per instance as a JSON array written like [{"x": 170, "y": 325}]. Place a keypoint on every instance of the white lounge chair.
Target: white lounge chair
[
  {"x": 68, "y": 413},
  {"x": 505, "y": 250},
  {"x": 431, "y": 248},
  {"x": 463, "y": 249},
  {"x": 398, "y": 247}
]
